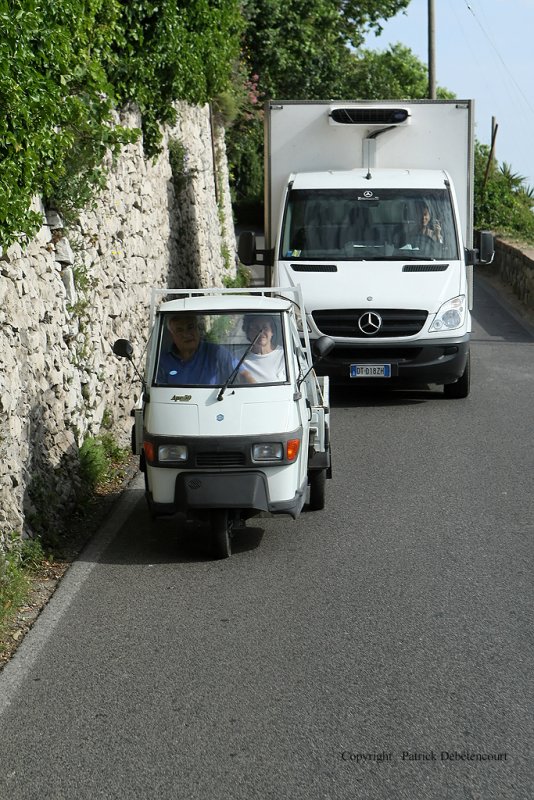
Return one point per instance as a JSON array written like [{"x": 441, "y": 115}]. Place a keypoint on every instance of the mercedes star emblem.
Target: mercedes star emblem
[{"x": 370, "y": 323}]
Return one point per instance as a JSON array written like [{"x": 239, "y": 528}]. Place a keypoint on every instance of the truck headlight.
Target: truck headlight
[
  {"x": 450, "y": 316},
  {"x": 172, "y": 452},
  {"x": 268, "y": 451}
]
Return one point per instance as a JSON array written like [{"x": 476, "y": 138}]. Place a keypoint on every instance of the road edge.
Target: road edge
[{"x": 17, "y": 668}]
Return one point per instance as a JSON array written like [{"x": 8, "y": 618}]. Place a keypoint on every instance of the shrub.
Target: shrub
[
  {"x": 16, "y": 565},
  {"x": 503, "y": 202},
  {"x": 100, "y": 461}
]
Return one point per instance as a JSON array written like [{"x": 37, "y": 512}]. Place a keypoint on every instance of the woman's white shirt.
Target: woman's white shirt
[{"x": 267, "y": 367}]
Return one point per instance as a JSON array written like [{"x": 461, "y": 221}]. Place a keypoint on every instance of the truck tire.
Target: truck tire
[
  {"x": 220, "y": 533},
  {"x": 460, "y": 389},
  {"x": 317, "y": 489}
]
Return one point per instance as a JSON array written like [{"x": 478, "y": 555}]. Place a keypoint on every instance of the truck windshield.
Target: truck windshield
[
  {"x": 358, "y": 224},
  {"x": 205, "y": 349}
]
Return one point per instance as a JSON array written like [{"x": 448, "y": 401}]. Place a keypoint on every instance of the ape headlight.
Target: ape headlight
[
  {"x": 172, "y": 452},
  {"x": 268, "y": 451}
]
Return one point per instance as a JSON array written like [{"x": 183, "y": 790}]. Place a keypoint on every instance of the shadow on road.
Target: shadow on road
[
  {"x": 166, "y": 540},
  {"x": 342, "y": 396},
  {"x": 494, "y": 320}
]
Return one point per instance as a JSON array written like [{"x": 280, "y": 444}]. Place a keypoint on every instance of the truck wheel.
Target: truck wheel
[
  {"x": 317, "y": 489},
  {"x": 220, "y": 532},
  {"x": 460, "y": 389}
]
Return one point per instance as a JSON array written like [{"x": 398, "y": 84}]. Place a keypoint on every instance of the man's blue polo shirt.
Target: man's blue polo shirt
[{"x": 211, "y": 364}]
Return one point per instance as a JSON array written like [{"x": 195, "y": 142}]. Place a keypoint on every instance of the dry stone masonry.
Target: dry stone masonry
[
  {"x": 515, "y": 267},
  {"x": 68, "y": 294}
]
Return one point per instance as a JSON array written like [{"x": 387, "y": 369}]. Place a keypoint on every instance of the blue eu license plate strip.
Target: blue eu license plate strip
[{"x": 370, "y": 370}]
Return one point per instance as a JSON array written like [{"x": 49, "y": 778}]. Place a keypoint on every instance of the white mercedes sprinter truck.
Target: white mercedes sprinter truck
[
  {"x": 232, "y": 420},
  {"x": 369, "y": 207}
]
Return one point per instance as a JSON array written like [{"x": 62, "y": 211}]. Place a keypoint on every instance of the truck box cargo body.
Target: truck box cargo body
[{"x": 369, "y": 208}]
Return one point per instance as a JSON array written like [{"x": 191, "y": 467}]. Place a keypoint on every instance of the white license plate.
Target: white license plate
[{"x": 370, "y": 370}]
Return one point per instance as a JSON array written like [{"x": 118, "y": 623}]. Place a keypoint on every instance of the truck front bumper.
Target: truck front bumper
[
  {"x": 244, "y": 491},
  {"x": 439, "y": 361}
]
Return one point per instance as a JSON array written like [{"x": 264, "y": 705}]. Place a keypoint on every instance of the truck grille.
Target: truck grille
[
  {"x": 395, "y": 322},
  {"x": 220, "y": 460}
]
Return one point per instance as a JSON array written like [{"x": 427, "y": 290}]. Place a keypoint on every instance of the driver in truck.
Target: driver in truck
[{"x": 429, "y": 227}]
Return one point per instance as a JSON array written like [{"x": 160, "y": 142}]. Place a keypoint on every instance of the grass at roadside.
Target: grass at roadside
[{"x": 17, "y": 567}]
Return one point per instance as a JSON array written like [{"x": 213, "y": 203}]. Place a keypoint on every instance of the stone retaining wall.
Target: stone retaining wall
[
  {"x": 67, "y": 295},
  {"x": 515, "y": 266}
]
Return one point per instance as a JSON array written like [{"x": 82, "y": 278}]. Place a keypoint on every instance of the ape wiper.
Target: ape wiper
[{"x": 236, "y": 369}]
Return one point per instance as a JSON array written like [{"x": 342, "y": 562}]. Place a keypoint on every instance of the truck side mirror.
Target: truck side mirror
[
  {"x": 322, "y": 346},
  {"x": 486, "y": 247},
  {"x": 123, "y": 349},
  {"x": 246, "y": 248}
]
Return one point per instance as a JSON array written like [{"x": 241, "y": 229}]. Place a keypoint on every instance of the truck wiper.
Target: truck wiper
[
  {"x": 415, "y": 257},
  {"x": 394, "y": 258},
  {"x": 234, "y": 372}
]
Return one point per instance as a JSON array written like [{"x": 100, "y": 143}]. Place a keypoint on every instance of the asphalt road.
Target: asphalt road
[{"x": 380, "y": 649}]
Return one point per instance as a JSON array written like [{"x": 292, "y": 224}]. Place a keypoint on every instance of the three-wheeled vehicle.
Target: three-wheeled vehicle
[{"x": 232, "y": 420}]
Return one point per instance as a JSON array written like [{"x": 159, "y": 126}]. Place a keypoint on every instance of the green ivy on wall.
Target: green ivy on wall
[{"x": 65, "y": 65}]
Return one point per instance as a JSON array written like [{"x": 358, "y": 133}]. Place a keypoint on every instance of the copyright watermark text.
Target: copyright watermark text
[{"x": 424, "y": 756}]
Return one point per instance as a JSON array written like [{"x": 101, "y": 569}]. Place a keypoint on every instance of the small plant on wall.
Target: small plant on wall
[{"x": 180, "y": 161}]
